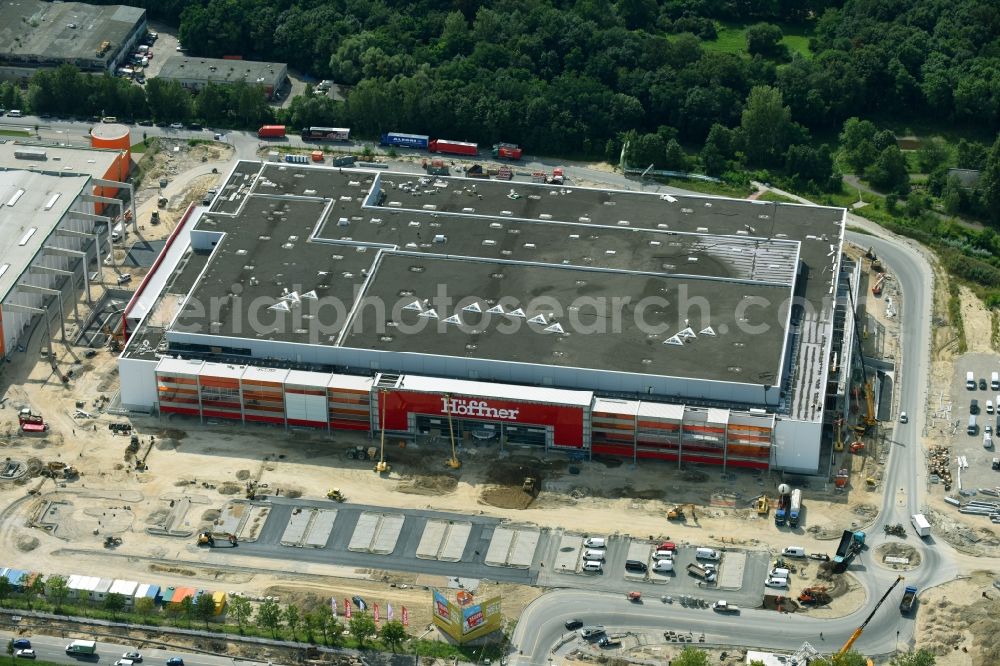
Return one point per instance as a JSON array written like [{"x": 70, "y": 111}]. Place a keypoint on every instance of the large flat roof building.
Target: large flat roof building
[
  {"x": 196, "y": 73},
  {"x": 94, "y": 38},
  {"x": 666, "y": 326}
]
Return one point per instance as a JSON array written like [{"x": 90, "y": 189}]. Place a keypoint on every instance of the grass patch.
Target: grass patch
[
  {"x": 732, "y": 38},
  {"x": 995, "y": 330},
  {"x": 7, "y": 132},
  {"x": 139, "y": 148},
  {"x": 774, "y": 196},
  {"x": 707, "y": 187}
]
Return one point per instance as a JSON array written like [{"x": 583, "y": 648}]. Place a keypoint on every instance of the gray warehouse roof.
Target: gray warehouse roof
[
  {"x": 34, "y": 30},
  {"x": 564, "y": 276},
  {"x": 218, "y": 70}
]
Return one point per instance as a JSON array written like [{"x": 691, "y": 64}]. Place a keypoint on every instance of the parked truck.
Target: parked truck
[
  {"x": 723, "y": 606},
  {"x": 850, "y": 545},
  {"x": 82, "y": 647},
  {"x": 921, "y": 525},
  {"x": 795, "y": 508},
  {"x": 405, "y": 140},
  {"x": 507, "y": 151},
  {"x": 453, "y": 147},
  {"x": 701, "y": 571},
  {"x": 271, "y": 132},
  {"x": 909, "y": 600},
  {"x": 781, "y": 513}
]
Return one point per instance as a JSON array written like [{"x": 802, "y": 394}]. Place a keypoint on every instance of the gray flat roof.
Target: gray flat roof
[
  {"x": 32, "y": 28},
  {"x": 29, "y": 218},
  {"x": 56, "y": 160},
  {"x": 359, "y": 258},
  {"x": 219, "y": 70}
]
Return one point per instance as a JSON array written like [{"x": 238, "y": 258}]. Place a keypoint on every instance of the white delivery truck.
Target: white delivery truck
[{"x": 920, "y": 524}]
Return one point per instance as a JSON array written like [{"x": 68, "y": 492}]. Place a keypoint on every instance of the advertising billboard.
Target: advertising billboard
[{"x": 469, "y": 623}]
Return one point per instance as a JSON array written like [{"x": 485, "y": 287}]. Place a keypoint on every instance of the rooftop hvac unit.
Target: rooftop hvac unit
[{"x": 27, "y": 154}]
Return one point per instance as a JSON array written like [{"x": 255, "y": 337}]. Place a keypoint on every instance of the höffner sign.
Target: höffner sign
[{"x": 476, "y": 408}]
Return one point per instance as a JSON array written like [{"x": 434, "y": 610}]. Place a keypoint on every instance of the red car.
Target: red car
[{"x": 667, "y": 545}]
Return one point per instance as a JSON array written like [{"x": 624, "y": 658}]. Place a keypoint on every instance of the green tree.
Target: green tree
[
  {"x": 851, "y": 658},
  {"x": 168, "y": 100},
  {"x": 888, "y": 173},
  {"x": 989, "y": 183},
  {"x": 971, "y": 154},
  {"x": 204, "y": 607},
  {"x": 239, "y": 609},
  {"x": 212, "y": 104},
  {"x": 393, "y": 633},
  {"x": 114, "y": 603},
  {"x": 765, "y": 39},
  {"x": 293, "y": 618},
  {"x": 766, "y": 126},
  {"x": 174, "y": 612},
  {"x": 186, "y": 608},
  {"x": 269, "y": 617},
  {"x": 675, "y": 159},
  {"x": 57, "y": 590},
  {"x": 690, "y": 656},
  {"x": 144, "y": 606},
  {"x": 362, "y": 627},
  {"x": 325, "y": 622},
  {"x": 10, "y": 650},
  {"x": 932, "y": 154},
  {"x": 919, "y": 658},
  {"x": 32, "y": 590}
]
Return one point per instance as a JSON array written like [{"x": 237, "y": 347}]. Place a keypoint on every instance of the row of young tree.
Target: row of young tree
[{"x": 280, "y": 622}]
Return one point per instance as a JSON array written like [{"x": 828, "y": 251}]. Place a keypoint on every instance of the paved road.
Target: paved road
[
  {"x": 541, "y": 625},
  {"x": 53, "y": 649}
]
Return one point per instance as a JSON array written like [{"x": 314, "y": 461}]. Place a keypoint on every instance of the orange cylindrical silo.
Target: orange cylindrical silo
[{"x": 117, "y": 137}]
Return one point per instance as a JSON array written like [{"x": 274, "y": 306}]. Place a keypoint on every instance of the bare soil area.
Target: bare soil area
[{"x": 960, "y": 621}]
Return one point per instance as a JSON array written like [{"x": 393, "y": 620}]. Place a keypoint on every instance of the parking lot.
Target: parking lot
[{"x": 979, "y": 473}]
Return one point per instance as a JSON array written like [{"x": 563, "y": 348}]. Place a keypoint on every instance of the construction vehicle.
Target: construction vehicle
[
  {"x": 680, "y": 512},
  {"x": 453, "y": 462},
  {"x": 208, "y": 539},
  {"x": 816, "y": 595},
  {"x": 362, "y": 453},
  {"x": 877, "y": 287},
  {"x": 112, "y": 541},
  {"x": 784, "y": 504},
  {"x": 838, "y": 433},
  {"x": 795, "y": 509},
  {"x": 154, "y": 217},
  {"x": 763, "y": 505},
  {"x": 381, "y": 467},
  {"x": 530, "y": 486},
  {"x": 133, "y": 445},
  {"x": 857, "y": 446},
  {"x": 850, "y": 545},
  {"x": 842, "y": 478},
  {"x": 704, "y": 571},
  {"x": 908, "y": 601},
  {"x": 30, "y": 421},
  {"x": 57, "y": 469},
  {"x": 634, "y": 597},
  {"x": 857, "y": 632},
  {"x": 335, "y": 494}
]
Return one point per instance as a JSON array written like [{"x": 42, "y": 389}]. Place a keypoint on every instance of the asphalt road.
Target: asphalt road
[
  {"x": 540, "y": 629},
  {"x": 53, "y": 649}
]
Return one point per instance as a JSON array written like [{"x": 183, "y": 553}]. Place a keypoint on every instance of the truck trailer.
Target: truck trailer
[
  {"x": 82, "y": 647},
  {"x": 850, "y": 545},
  {"x": 405, "y": 140},
  {"x": 271, "y": 132},
  {"x": 453, "y": 147},
  {"x": 701, "y": 571},
  {"x": 507, "y": 151},
  {"x": 326, "y": 134},
  {"x": 795, "y": 508},
  {"x": 921, "y": 525}
]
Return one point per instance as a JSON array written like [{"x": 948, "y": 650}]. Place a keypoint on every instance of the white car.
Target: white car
[
  {"x": 663, "y": 565},
  {"x": 593, "y": 566},
  {"x": 903, "y": 418},
  {"x": 177, "y": 125},
  {"x": 776, "y": 582},
  {"x": 134, "y": 656},
  {"x": 663, "y": 555},
  {"x": 25, "y": 654}
]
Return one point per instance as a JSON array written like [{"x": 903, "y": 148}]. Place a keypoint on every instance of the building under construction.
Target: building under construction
[{"x": 589, "y": 321}]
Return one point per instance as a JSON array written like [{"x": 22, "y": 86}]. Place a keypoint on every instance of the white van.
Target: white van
[
  {"x": 594, "y": 555},
  {"x": 663, "y": 555},
  {"x": 707, "y": 554},
  {"x": 776, "y": 582},
  {"x": 663, "y": 565},
  {"x": 970, "y": 381},
  {"x": 972, "y": 428},
  {"x": 995, "y": 381},
  {"x": 119, "y": 232},
  {"x": 593, "y": 566},
  {"x": 779, "y": 572},
  {"x": 794, "y": 551},
  {"x": 14, "y": 113},
  {"x": 594, "y": 542}
]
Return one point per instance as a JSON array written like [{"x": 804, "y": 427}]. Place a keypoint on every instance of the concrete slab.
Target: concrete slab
[
  {"x": 568, "y": 556},
  {"x": 522, "y": 551},
  {"x": 430, "y": 540},
  {"x": 731, "y": 570},
  {"x": 320, "y": 529},
  {"x": 499, "y": 549},
  {"x": 250, "y": 530},
  {"x": 454, "y": 542},
  {"x": 364, "y": 532},
  {"x": 388, "y": 533},
  {"x": 296, "y": 528}
]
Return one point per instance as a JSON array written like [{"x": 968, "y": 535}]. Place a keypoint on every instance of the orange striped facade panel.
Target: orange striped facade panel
[
  {"x": 177, "y": 380},
  {"x": 660, "y": 425},
  {"x": 303, "y": 391},
  {"x": 220, "y": 382}
]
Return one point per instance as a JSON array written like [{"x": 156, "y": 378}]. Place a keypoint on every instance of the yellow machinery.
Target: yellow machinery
[
  {"x": 857, "y": 632},
  {"x": 452, "y": 462},
  {"x": 336, "y": 495},
  {"x": 763, "y": 505},
  {"x": 870, "y": 419},
  {"x": 838, "y": 434},
  {"x": 382, "y": 466}
]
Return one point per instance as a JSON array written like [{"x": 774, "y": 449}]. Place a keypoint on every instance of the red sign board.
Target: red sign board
[
  {"x": 347, "y": 608},
  {"x": 566, "y": 421},
  {"x": 406, "y": 617}
]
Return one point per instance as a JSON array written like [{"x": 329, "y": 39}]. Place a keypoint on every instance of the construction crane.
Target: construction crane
[
  {"x": 452, "y": 462},
  {"x": 857, "y": 632},
  {"x": 382, "y": 466},
  {"x": 869, "y": 418}
]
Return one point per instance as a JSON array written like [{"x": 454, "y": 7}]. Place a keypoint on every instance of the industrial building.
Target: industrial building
[
  {"x": 196, "y": 73},
  {"x": 95, "y": 38},
  {"x": 589, "y": 321},
  {"x": 56, "y": 208}
]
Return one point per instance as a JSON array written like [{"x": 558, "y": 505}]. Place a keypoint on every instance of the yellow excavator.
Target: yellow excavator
[{"x": 857, "y": 632}]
